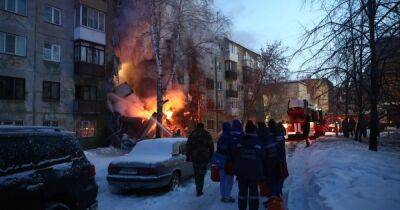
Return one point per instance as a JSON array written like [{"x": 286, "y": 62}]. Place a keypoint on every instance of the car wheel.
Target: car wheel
[
  {"x": 56, "y": 206},
  {"x": 175, "y": 181}
]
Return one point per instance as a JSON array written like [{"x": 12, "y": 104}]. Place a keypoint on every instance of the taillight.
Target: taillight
[{"x": 92, "y": 170}]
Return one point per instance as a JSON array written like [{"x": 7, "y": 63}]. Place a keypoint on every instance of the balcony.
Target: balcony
[
  {"x": 247, "y": 75},
  {"x": 231, "y": 75},
  {"x": 88, "y": 107},
  {"x": 231, "y": 93},
  {"x": 91, "y": 70}
]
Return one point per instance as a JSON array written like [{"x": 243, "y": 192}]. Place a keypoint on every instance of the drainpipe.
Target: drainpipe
[{"x": 34, "y": 66}]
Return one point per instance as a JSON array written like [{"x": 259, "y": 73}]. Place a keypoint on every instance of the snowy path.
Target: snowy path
[{"x": 182, "y": 199}]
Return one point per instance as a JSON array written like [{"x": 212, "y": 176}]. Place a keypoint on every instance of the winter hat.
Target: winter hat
[
  {"x": 200, "y": 126},
  {"x": 250, "y": 127}
]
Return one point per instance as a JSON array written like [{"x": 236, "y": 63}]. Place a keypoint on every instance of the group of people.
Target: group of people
[
  {"x": 255, "y": 154},
  {"x": 354, "y": 129}
]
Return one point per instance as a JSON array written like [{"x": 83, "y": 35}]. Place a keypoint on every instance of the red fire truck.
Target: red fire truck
[{"x": 298, "y": 110}]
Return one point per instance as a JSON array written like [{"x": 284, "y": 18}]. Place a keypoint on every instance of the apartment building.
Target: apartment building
[
  {"x": 52, "y": 65},
  {"x": 228, "y": 74}
]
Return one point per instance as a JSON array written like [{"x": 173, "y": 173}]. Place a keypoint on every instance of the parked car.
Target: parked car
[
  {"x": 44, "y": 168},
  {"x": 153, "y": 163}
]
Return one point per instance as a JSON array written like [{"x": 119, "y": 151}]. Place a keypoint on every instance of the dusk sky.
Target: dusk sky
[{"x": 254, "y": 22}]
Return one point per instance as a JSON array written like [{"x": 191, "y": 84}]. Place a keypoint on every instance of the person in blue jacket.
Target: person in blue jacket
[
  {"x": 275, "y": 155},
  {"x": 224, "y": 147},
  {"x": 248, "y": 151}
]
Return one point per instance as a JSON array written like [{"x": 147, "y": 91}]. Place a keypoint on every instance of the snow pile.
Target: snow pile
[
  {"x": 343, "y": 174},
  {"x": 390, "y": 138}
]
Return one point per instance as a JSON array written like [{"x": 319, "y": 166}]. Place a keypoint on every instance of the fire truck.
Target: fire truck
[{"x": 298, "y": 110}]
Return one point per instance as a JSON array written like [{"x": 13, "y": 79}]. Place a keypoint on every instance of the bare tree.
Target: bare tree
[
  {"x": 344, "y": 45},
  {"x": 270, "y": 67}
]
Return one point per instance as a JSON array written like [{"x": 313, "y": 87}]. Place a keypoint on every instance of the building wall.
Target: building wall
[{"x": 33, "y": 110}]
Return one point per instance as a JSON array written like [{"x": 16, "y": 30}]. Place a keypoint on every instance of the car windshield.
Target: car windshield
[{"x": 152, "y": 148}]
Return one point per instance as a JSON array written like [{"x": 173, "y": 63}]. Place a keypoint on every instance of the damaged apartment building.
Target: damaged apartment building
[{"x": 53, "y": 65}]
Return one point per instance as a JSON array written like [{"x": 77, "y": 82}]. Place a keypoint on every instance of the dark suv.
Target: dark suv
[{"x": 44, "y": 168}]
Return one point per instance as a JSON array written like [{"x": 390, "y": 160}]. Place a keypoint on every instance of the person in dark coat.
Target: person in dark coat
[
  {"x": 249, "y": 168},
  {"x": 306, "y": 130},
  {"x": 224, "y": 147},
  {"x": 282, "y": 128},
  {"x": 177, "y": 134},
  {"x": 352, "y": 126},
  {"x": 200, "y": 148},
  {"x": 236, "y": 134},
  {"x": 345, "y": 127},
  {"x": 361, "y": 129},
  {"x": 275, "y": 155}
]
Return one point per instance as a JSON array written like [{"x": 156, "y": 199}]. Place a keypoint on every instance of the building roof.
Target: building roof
[{"x": 247, "y": 49}]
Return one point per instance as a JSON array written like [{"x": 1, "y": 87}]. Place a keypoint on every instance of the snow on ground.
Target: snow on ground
[
  {"x": 339, "y": 173},
  {"x": 333, "y": 173},
  {"x": 182, "y": 199}
]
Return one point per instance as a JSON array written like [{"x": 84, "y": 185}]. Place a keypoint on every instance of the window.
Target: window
[
  {"x": 218, "y": 66},
  {"x": 15, "y": 6},
  {"x": 86, "y": 129},
  {"x": 89, "y": 53},
  {"x": 210, "y": 124},
  {"x": 52, "y": 123},
  {"x": 91, "y": 18},
  {"x": 220, "y": 104},
  {"x": 219, "y": 85},
  {"x": 12, "y": 44},
  {"x": 52, "y": 15},
  {"x": 51, "y": 52},
  {"x": 86, "y": 93},
  {"x": 232, "y": 48},
  {"x": 210, "y": 84},
  {"x": 12, "y": 88},
  {"x": 234, "y": 104},
  {"x": 230, "y": 66},
  {"x": 12, "y": 122},
  {"x": 51, "y": 91}
]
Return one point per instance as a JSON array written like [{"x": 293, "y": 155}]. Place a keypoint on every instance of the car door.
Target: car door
[
  {"x": 19, "y": 181},
  {"x": 187, "y": 166},
  {"x": 54, "y": 165}
]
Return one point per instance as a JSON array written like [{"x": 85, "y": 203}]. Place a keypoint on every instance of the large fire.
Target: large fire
[{"x": 143, "y": 102}]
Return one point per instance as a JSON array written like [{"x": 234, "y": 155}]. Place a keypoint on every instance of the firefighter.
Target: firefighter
[
  {"x": 345, "y": 127},
  {"x": 306, "y": 130},
  {"x": 248, "y": 166},
  {"x": 200, "y": 148},
  {"x": 277, "y": 152},
  {"x": 352, "y": 126},
  {"x": 236, "y": 134}
]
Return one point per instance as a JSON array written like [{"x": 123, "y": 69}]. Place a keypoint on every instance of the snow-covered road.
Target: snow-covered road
[{"x": 334, "y": 173}]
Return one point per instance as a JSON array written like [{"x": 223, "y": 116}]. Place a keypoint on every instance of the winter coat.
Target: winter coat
[
  {"x": 352, "y": 124},
  {"x": 264, "y": 134},
  {"x": 275, "y": 153},
  {"x": 224, "y": 146},
  {"x": 200, "y": 146},
  {"x": 248, "y": 165},
  {"x": 306, "y": 128},
  {"x": 237, "y": 131}
]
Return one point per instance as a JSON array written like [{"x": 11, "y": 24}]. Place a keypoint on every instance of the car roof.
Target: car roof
[
  {"x": 7, "y": 129},
  {"x": 167, "y": 140}
]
